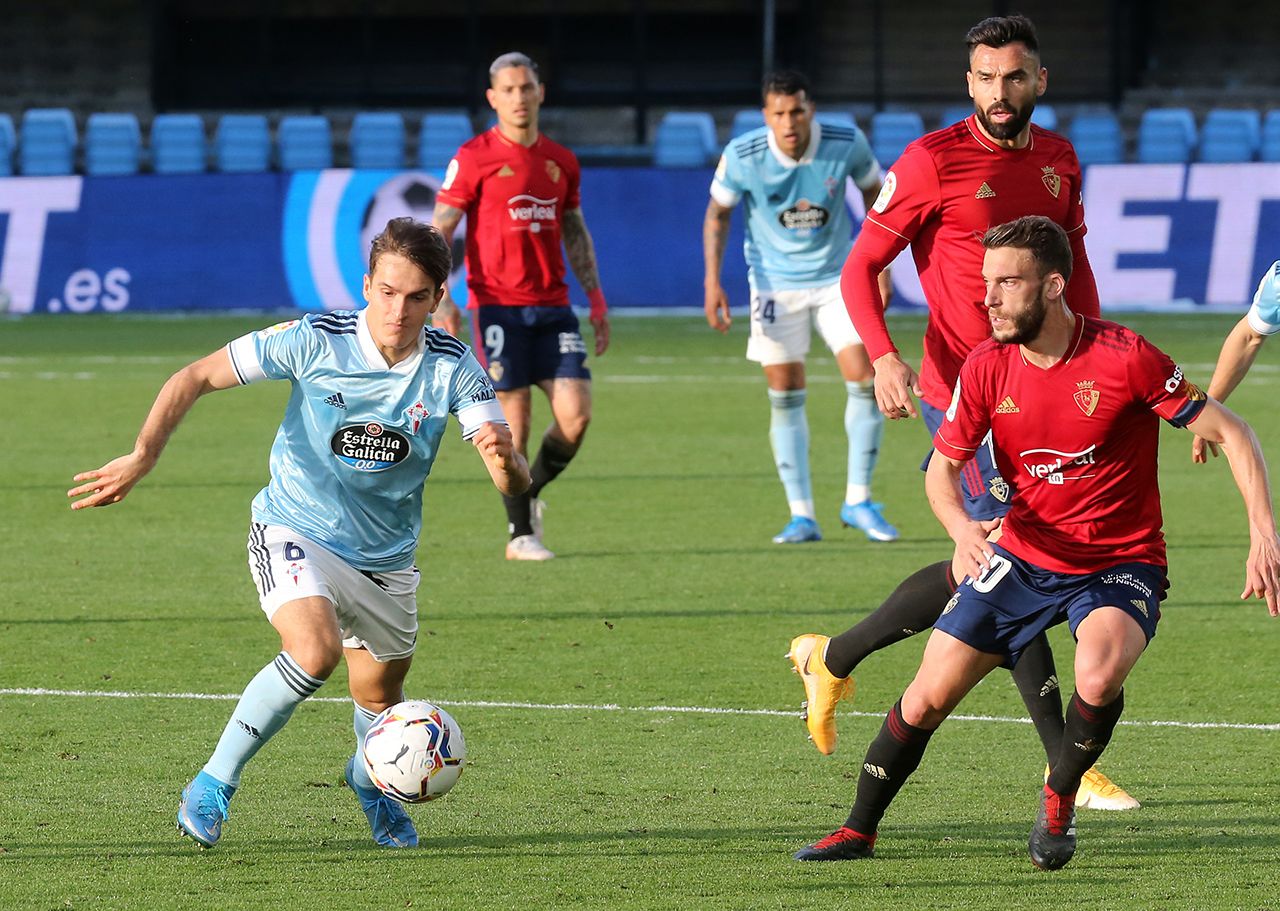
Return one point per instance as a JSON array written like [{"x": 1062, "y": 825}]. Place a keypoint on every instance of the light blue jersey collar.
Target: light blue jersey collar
[
  {"x": 815, "y": 139},
  {"x": 369, "y": 348}
]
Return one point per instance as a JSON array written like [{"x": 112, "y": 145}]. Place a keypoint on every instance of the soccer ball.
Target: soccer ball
[{"x": 414, "y": 752}]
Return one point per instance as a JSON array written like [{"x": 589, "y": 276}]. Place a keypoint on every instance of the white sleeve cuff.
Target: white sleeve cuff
[
  {"x": 871, "y": 178},
  {"x": 473, "y": 416},
  {"x": 244, "y": 359},
  {"x": 723, "y": 195},
  {"x": 1259, "y": 325}
]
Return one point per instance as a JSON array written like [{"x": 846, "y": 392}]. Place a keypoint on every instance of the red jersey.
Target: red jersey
[
  {"x": 515, "y": 199},
  {"x": 1076, "y": 442},
  {"x": 942, "y": 195}
]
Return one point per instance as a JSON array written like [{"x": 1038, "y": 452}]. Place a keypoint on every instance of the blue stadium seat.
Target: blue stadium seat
[
  {"x": 685, "y": 139},
  {"x": 440, "y": 136},
  {"x": 1270, "y": 150},
  {"x": 954, "y": 113},
  {"x": 836, "y": 117},
  {"x": 1045, "y": 116},
  {"x": 1230, "y": 135},
  {"x": 377, "y": 140},
  {"x": 242, "y": 143},
  {"x": 1166, "y": 136},
  {"x": 49, "y": 140},
  {"x": 1097, "y": 138},
  {"x": 8, "y": 141},
  {"x": 893, "y": 131},
  {"x": 177, "y": 144},
  {"x": 305, "y": 143},
  {"x": 112, "y": 144},
  {"x": 745, "y": 120}
]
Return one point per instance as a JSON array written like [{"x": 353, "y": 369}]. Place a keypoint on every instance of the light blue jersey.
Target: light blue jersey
[
  {"x": 1264, "y": 314},
  {"x": 799, "y": 232},
  {"x": 358, "y": 437}
]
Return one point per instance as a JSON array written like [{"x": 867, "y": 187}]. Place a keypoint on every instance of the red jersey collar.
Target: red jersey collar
[{"x": 1071, "y": 348}]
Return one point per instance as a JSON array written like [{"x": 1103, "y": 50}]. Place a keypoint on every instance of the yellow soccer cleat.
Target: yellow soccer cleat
[
  {"x": 1098, "y": 792},
  {"x": 822, "y": 689}
]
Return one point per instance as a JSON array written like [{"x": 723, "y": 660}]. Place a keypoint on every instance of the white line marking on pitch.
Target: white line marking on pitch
[{"x": 607, "y": 707}]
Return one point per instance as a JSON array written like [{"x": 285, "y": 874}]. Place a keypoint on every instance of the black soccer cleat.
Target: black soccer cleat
[
  {"x": 842, "y": 844},
  {"x": 1053, "y": 837}
]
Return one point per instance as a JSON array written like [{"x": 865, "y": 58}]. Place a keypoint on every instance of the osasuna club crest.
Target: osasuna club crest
[
  {"x": 1086, "y": 397},
  {"x": 1052, "y": 182},
  {"x": 999, "y": 488}
]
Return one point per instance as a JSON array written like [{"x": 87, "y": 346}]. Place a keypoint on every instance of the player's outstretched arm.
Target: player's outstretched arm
[
  {"x": 509, "y": 470},
  {"x": 1239, "y": 350},
  {"x": 715, "y": 236},
  {"x": 1217, "y": 424},
  {"x": 580, "y": 250},
  {"x": 447, "y": 315},
  {"x": 112, "y": 482},
  {"x": 973, "y": 552}
]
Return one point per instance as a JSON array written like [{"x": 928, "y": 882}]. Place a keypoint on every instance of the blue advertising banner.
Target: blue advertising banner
[{"x": 1197, "y": 234}]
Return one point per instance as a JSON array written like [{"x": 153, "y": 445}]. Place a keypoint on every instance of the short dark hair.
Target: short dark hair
[
  {"x": 997, "y": 31},
  {"x": 1043, "y": 237},
  {"x": 420, "y": 243},
  {"x": 785, "y": 82}
]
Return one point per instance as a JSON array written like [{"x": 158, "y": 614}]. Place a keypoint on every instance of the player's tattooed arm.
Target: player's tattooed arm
[
  {"x": 715, "y": 237},
  {"x": 581, "y": 253},
  {"x": 580, "y": 250},
  {"x": 447, "y": 317}
]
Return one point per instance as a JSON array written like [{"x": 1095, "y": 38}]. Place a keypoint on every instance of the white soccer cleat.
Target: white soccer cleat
[{"x": 527, "y": 547}]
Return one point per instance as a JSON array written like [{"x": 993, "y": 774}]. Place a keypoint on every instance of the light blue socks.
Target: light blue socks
[
  {"x": 363, "y": 720},
  {"x": 266, "y": 705},
  {"x": 864, "y": 425},
  {"x": 789, "y": 434}
]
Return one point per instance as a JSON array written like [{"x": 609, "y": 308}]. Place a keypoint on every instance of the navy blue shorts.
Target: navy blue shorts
[
  {"x": 522, "y": 346},
  {"x": 986, "y": 494},
  {"x": 1014, "y": 601}
]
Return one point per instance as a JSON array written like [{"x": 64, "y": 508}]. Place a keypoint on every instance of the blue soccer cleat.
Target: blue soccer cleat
[
  {"x": 798, "y": 531},
  {"x": 867, "y": 516},
  {"x": 203, "y": 809},
  {"x": 390, "y": 824}
]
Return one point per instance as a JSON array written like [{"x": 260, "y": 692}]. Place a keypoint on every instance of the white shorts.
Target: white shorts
[
  {"x": 780, "y": 323},
  {"x": 376, "y": 611}
]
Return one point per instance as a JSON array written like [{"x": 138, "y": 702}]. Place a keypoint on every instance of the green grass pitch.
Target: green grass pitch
[{"x": 600, "y": 776}]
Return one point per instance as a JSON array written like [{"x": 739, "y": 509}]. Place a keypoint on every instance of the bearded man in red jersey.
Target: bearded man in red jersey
[
  {"x": 1070, "y": 406},
  {"x": 519, "y": 193}
]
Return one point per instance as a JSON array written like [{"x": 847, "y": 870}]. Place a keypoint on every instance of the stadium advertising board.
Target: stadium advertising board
[{"x": 1158, "y": 234}]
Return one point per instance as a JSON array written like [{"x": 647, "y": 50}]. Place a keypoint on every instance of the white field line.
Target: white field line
[{"x": 607, "y": 707}]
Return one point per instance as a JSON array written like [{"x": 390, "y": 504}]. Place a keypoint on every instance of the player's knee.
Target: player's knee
[
  {"x": 921, "y": 709},
  {"x": 318, "y": 656},
  {"x": 1099, "y": 685},
  {"x": 574, "y": 427}
]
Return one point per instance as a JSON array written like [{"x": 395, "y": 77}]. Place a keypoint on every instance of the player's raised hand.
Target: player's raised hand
[
  {"x": 1262, "y": 571},
  {"x": 716, "y": 303},
  {"x": 448, "y": 317},
  {"x": 895, "y": 382},
  {"x": 109, "y": 484},
  {"x": 509, "y": 470},
  {"x": 1198, "y": 447}
]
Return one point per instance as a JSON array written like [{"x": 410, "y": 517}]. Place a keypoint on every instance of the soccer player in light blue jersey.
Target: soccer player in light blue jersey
[
  {"x": 790, "y": 176},
  {"x": 1241, "y": 347},
  {"x": 334, "y": 532}
]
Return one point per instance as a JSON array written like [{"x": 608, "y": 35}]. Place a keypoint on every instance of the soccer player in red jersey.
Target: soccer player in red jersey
[
  {"x": 1071, "y": 406},
  {"x": 945, "y": 191},
  {"x": 519, "y": 192}
]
